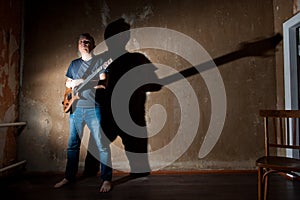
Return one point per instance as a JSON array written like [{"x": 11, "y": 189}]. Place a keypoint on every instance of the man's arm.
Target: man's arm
[
  {"x": 102, "y": 82},
  {"x": 70, "y": 83}
]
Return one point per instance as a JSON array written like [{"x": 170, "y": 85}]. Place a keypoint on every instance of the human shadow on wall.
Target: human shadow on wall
[
  {"x": 135, "y": 141},
  {"x": 138, "y": 142}
]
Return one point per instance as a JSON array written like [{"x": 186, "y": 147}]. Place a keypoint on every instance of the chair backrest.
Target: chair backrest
[{"x": 281, "y": 129}]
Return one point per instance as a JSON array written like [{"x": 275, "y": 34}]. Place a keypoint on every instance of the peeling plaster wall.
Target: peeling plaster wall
[
  {"x": 51, "y": 28},
  {"x": 10, "y": 37}
]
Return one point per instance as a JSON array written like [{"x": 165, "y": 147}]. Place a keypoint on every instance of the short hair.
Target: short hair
[
  {"x": 116, "y": 27},
  {"x": 89, "y": 37}
]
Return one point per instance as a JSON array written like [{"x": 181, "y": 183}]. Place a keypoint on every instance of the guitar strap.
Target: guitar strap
[{"x": 86, "y": 68}]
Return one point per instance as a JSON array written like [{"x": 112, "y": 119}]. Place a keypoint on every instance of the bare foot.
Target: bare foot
[
  {"x": 61, "y": 183},
  {"x": 106, "y": 186}
]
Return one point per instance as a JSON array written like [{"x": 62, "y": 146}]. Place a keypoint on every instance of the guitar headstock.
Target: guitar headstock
[
  {"x": 108, "y": 62},
  {"x": 263, "y": 47}
]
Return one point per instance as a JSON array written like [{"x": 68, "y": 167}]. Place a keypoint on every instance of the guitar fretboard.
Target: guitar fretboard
[{"x": 99, "y": 70}]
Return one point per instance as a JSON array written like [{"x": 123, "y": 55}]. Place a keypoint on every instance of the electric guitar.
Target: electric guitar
[{"x": 71, "y": 95}]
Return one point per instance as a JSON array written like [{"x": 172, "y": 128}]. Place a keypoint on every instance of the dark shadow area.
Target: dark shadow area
[
  {"x": 122, "y": 180},
  {"x": 135, "y": 142},
  {"x": 235, "y": 186}
]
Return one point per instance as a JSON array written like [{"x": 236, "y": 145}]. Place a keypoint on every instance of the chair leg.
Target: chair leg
[
  {"x": 266, "y": 185},
  {"x": 260, "y": 181}
]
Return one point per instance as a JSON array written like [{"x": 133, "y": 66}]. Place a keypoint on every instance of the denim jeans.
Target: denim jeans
[{"x": 92, "y": 118}]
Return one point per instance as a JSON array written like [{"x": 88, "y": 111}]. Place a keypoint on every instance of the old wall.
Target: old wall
[
  {"x": 10, "y": 46},
  {"x": 221, "y": 127},
  {"x": 282, "y": 12}
]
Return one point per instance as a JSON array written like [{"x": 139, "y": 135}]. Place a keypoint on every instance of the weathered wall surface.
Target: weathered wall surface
[
  {"x": 10, "y": 44},
  {"x": 282, "y": 12},
  {"x": 249, "y": 83}
]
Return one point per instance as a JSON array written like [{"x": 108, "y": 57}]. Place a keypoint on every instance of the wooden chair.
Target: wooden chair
[{"x": 281, "y": 128}]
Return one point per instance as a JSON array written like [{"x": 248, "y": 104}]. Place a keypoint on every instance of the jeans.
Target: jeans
[{"x": 92, "y": 118}]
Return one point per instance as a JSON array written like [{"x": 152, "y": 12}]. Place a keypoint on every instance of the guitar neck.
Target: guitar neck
[{"x": 99, "y": 70}]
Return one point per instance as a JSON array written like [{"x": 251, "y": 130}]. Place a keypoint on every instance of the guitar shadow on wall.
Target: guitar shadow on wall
[{"x": 261, "y": 48}]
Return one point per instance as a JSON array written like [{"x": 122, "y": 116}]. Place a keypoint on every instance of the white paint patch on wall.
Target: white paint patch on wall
[
  {"x": 142, "y": 14},
  {"x": 296, "y": 6},
  {"x": 9, "y": 116},
  {"x": 3, "y": 69},
  {"x": 105, "y": 13},
  {"x": 147, "y": 11},
  {"x": 9, "y": 69},
  {"x": 13, "y": 64},
  {"x": 1, "y": 85}
]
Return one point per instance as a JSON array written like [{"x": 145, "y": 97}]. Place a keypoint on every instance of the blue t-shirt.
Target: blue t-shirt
[{"x": 82, "y": 69}]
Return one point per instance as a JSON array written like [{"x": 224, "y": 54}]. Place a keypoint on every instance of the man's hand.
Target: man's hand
[
  {"x": 99, "y": 87},
  {"x": 70, "y": 83},
  {"x": 77, "y": 82}
]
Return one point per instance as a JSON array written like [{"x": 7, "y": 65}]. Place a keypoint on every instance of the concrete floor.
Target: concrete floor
[{"x": 234, "y": 186}]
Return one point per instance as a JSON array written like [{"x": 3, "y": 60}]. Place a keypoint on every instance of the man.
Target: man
[{"x": 85, "y": 110}]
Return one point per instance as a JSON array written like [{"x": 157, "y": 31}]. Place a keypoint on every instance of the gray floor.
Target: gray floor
[{"x": 154, "y": 187}]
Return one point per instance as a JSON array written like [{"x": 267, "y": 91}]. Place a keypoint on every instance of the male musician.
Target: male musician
[{"x": 86, "y": 111}]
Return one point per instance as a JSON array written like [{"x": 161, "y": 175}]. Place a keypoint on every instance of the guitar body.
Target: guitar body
[{"x": 69, "y": 99}]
